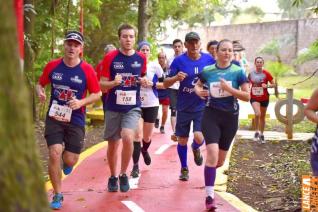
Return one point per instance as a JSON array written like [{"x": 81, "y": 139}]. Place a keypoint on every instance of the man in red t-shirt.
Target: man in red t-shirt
[
  {"x": 70, "y": 78},
  {"x": 259, "y": 79}
]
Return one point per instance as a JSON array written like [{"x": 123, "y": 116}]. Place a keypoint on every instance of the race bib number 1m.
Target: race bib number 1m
[
  {"x": 60, "y": 112},
  {"x": 217, "y": 92},
  {"x": 126, "y": 97}
]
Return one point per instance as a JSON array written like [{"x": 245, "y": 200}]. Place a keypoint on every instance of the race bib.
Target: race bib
[
  {"x": 143, "y": 97},
  {"x": 60, "y": 112},
  {"x": 257, "y": 91},
  {"x": 217, "y": 92},
  {"x": 126, "y": 97}
]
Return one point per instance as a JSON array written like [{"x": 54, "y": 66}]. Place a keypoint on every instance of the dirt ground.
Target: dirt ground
[{"x": 265, "y": 176}]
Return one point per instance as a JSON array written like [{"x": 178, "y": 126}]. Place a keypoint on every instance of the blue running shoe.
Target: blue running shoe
[
  {"x": 57, "y": 201},
  {"x": 67, "y": 169},
  {"x": 124, "y": 183}
]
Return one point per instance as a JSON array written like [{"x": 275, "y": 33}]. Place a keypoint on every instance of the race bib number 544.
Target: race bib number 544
[
  {"x": 126, "y": 97},
  {"x": 60, "y": 112}
]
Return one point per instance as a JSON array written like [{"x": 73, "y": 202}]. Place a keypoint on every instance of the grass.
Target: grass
[
  {"x": 304, "y": 126},
  {"x": 301, "y": 90}
]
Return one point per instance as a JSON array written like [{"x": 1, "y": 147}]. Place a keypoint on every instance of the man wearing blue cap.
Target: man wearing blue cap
[
  {"x": 70, "y": 78},
  {"x": 185, "y": 69}
]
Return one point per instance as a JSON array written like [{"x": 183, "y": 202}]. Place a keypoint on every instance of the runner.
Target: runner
[
  {"x": 177, "y": 45},
  {"x": 185, "y": 69},
  {"x": 98, "y": 69},
  {"x": 149, "y": 110},
  {"x": 310, "y": 112},
  {"x": 259, "y": 79},
  {"x": 122, "y": 69},
  {"x": 70, "y": 79},
  {"x": 211, "y": 48},
  {"x": 163, "y": 94},
  {"x": 220, "y": 118},
  {"x": 108, "y": 48}
]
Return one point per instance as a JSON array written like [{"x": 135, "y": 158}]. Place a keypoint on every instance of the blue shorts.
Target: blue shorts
[
  {"x": 314, "y": 163},
  {"x": 184, "y": 120}
]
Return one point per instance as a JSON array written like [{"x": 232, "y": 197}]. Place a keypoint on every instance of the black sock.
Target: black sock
[
  {"x": 145, "y": 145},
  {"x": 136, "y": 152}
]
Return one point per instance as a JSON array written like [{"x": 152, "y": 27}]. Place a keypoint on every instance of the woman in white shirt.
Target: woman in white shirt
[{"x": 149, "y": 108}]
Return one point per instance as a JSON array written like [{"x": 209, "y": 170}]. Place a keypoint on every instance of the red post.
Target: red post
[
  {"x": 18, "y": 6},
  {"x": 82, "y": 20}
]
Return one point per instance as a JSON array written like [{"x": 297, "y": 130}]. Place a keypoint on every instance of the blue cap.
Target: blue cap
[
  {"x": 74, "y": 35},
  {"x": 143, "y": 43}
]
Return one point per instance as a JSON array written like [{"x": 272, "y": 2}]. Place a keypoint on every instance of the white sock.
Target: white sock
[{"x": 209, "y": 191}]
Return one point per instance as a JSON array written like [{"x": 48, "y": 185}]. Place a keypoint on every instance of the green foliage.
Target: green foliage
[
  {"x": 278, "y": 69},
  {"x": 304, "y": 126},
  {"x": 309, "y": 55},
  {"x": 313, "y": 6},
  {"x": 251, "y": 14},
  {"x": 297, "y": 9},
  {"x": 275, "y": 46}
]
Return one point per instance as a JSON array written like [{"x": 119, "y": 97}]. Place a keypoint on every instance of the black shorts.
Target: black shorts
[
  {"x": 262, "y": 103},
  {"x": 173, "y": 93},
  {"x": 149, "y": 114},
  {"x": 57, "y": 132},
  {"x": 219, "y": 127}
]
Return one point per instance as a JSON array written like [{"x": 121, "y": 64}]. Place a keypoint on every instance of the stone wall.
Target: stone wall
[{"x": 254, "y": 36}]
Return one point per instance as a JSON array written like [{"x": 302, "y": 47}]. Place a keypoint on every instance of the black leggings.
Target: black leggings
[{"x": 219, "y": 127}]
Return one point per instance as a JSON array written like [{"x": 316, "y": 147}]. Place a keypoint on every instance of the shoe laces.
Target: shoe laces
[
  {"x": 184, "y": 170},
  {"x": 57, "y": 197},
  {"x": 123, "y": 179},
  {"x": 209, "y": 200}
]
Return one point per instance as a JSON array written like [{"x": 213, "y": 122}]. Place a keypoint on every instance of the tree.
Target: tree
[
  {"x": 310, "y": 54},
  {"x": 144, "y": 18},
  {"x": 29, "y": 14},
  {"x": 274, "y": 48},
  {"x": 313, "y": 8},
  {"x": 297, "y": 9},
  {"x": 21, "y": 180},
  {"x": 249, "y": 15}
]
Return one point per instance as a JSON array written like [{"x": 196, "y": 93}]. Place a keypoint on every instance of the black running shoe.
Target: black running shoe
[
  {"x": 262, "y": 139},
  {"x": 124, "y": 183},
  {"x": 256, "y": 137},
  {"x": 147, "y": 158},
  {"x": 157, "y": 123},
  {"x": 135, "y": 171},
  {"x": 162, "y": 130},
  {"x": 184, "y": 175},
  {"x": 210, "y": 204},
  {"x": 198, "y": 159},
  {"x": 113, "y": 184}
]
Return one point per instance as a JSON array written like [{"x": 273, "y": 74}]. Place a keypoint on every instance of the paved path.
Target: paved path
[
  {"x": 274, "y": 136},
  {"x": 157, "y": 189}
]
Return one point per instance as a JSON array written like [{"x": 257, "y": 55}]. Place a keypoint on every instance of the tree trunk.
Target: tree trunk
[
  {"x": 276, "y": 88},
  {"x": 21, "y": 179},
  {"x": 29, "y": 53},
  {"x": 143, "y": 19},
  {"x": 67, "y": 18}
]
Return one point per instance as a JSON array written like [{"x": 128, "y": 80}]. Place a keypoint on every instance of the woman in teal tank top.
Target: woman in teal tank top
[{"x": 225, "y": 83}]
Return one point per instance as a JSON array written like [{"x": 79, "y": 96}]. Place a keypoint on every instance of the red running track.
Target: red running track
[{"x": 159, "y": 188}]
